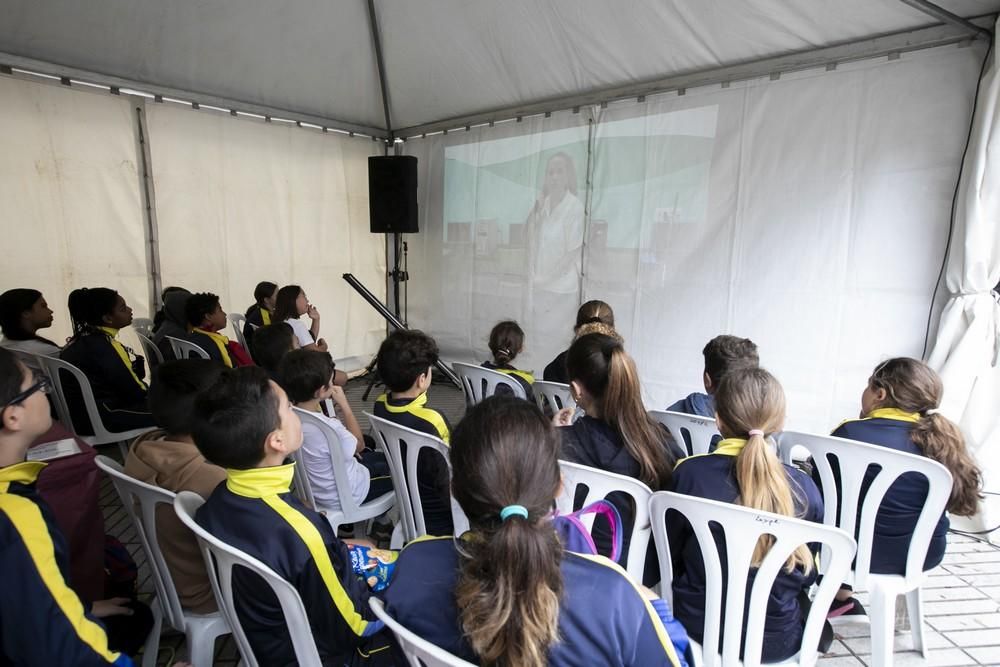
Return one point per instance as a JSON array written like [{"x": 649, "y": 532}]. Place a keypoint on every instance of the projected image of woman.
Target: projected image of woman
[{"x": 555, "y": 228}]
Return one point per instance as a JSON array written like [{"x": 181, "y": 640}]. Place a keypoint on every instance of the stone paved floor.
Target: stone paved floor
[{"x": 961, "y": 599}]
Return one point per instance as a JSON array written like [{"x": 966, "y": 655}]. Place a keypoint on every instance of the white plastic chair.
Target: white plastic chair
[
  {"x": 102, "y": 436},
  {"x": 699, "y": 431},
  {"x": 184, "y": 348},
  {"x": 143, "y": 325},
  {"x": 741, "y": 528},
  {"x": 479, "y": 383},
  {"x": 418, "y": 651},
  {"x": 350, "y": 511},
  {"x": 201, "y": 630},
  {"x": 555, "y": 395},
  {"x": 238, "y": 320},
  {"x": 220, "y": 559},
  {"x": 149, "y": 348},
  {"x": 600, "y": 484},
  {"x": 854, "y": 458},
  {"x": 404, "y": 474}
]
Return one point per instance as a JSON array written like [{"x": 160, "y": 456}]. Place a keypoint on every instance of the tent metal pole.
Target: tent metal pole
[
  {"x": 119, "y": 84},
  {"x": 945, "y": 16},
  {"x": 380, "y": 62},
  {"x": 828, "y": 56},
  {"x": 148, "y": 195}
]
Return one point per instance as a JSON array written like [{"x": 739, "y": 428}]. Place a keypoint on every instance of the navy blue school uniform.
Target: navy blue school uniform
[
  {"x": 897, "y": 515},
  {"x": 256, "y": 317},
  {"x": 42, "y": 621},
  {"x": 116, "y": 377},
  {"x": 254, "y": 511},
  {"x": 713, "y": 476},
  {"x": 523, "y": 378},
  {"x": 597, "y": 444},
  {"x": 556, "y": 370},
  {"x": 433, "y": 481},
  {"x": 603, "y": 619},
  {"x": 702, "y": 405}
]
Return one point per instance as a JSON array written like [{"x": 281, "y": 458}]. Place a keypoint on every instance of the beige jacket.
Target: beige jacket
[{"x": 177, "y": 466}]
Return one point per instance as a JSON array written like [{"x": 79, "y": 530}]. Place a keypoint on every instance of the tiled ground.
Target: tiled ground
[{"x": 962, "y": 597}]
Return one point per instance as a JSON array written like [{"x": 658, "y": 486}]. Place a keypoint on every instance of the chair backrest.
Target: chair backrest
[
  {"x": 348, "y": 505},
  {"x": 220, "y": 559},
  {"x": 555, "y": 395},
  {"x": 600, "y": 484},
  {"x": 418, "y": 651},
  {"x": 300, "y": 480},
  {"x": 479, "y": 383},
  {"x": 149, "y": 348},
  {"x": 404, "y": 473},
  {"x": 854, "y": 459},
  {"x": 238, "y": 320},
  {"x": 184, "y": 348},
  {"x": 102, "y": 435},
  {"x": 141, "y": 501},
  {"x": 739, "y": 528},
  {"x": 143, "y": 325},
  {"x": 691, "y": 432}
]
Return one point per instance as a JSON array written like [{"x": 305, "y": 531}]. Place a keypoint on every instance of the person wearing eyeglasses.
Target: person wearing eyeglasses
[{"x": 45, "y": 622}]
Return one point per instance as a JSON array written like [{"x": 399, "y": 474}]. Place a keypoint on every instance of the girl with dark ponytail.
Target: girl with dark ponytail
[
  {"x": 899, "y": 410},
  {"x": 507, "y": 593},
  {"x": 115, "y": 372},
  {"x": 506, "y": 342},
  {"x": 616, "y": 434},
  {"x": 744, "y": 470}
]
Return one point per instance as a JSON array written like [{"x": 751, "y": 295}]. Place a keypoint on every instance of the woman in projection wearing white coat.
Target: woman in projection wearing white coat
[{"x": 555, "y": 229}]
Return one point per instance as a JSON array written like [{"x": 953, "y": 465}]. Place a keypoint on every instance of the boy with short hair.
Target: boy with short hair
[
  {"x": 308, "y": 378},
  {"x": 722, "y": 354},
  {"x": 206, "y": 319},
  {"x": 169, "y": 459},
  {"x": 270, "y": 345},
  {"x": 44, "y": 622},
  {"x": 404, "y": 361},
  {"x": 245, "y": 423}
]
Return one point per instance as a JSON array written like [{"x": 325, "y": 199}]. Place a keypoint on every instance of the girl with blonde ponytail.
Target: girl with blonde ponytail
[
  {"x": 899, "y": 410},
  {"x": 744, "y": 470},
  {"x": 616, "y": 434},
  {"x": 507, "y": 594}
]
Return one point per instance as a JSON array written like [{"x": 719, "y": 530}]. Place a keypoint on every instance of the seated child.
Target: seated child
[
  {"x": 44, "y": 621},
  {"x": 115, "y": 372},
  {"x": 899, "y": 410},
  {"x": 22, "y": 313},
  {"x": 168, "y": 458},
  {"x": 464, "y": 595},
  {"x": 245, "y": 424},
  {"x": 506, "y": 342},
  {"x": 722, "y": 354},
  {"x": 171, "y": 320},
  {"x": 744, "y": 470},
  {"x": 261, "y": 313},
  {"x": 405, "y": 360},
  {"x": 271, "y": 344},
  {"x": 595, "y": 316},
  {"x": 206, "y": 319},
  {"x": 307, "y": 376}
]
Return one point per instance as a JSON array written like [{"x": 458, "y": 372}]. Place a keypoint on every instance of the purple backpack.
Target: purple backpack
[{"x": 575, "y": 536}]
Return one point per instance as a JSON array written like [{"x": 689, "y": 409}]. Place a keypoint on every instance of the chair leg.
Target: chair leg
[
  {"x": 201, "y": 646},
  {"x": 396, "y": 541},
  {"x": 151, "y": 649},
  {"x": 915, "y": 609},
  {"x": 123, "y": 448},
  {"x": 882, "y": 613}
]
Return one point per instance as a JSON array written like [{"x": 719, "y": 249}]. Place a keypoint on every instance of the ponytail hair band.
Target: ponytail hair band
[
  {"x": 932, "y": 411},
  {"x": 513, "y": 510},
  {"x": 755, "y": 431}
]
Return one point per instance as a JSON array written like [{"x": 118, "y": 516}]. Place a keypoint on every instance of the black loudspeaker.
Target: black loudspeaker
[{"x": 392, "y": 194}]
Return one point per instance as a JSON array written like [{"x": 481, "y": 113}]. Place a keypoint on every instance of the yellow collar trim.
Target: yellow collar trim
[
  {"x": 220, "y": 341},
  {"x": 25, "y": 472},
  {"x": 265, "y": 316},
  {"x": 894, "y": 413},
  {"x": 524, "y": 375},
  {"x": 418, "y": 402},
  {"x": 260, "y": 482},
  {"x": 122, "y": 354},
  {"x": 108, "y": 330},
  {"x": 730, "y": 446}
]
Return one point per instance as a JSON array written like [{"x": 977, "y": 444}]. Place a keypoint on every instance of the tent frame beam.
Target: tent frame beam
[
  {"x": 67, "y": 74},
  {"x": 828, "y": 56},
  {"x": 380, "y": 63},
  {"x": 943, "y": 15}
]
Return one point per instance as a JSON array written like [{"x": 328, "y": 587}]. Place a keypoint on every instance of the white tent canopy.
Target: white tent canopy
[{"x": 443, "y": 59}]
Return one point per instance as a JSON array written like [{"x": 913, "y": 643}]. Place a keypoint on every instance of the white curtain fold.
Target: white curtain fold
[{"x": 967, "y": 347}]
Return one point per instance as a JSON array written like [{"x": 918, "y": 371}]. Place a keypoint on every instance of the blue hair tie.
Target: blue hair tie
[{"x": 513, "y": 510}]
